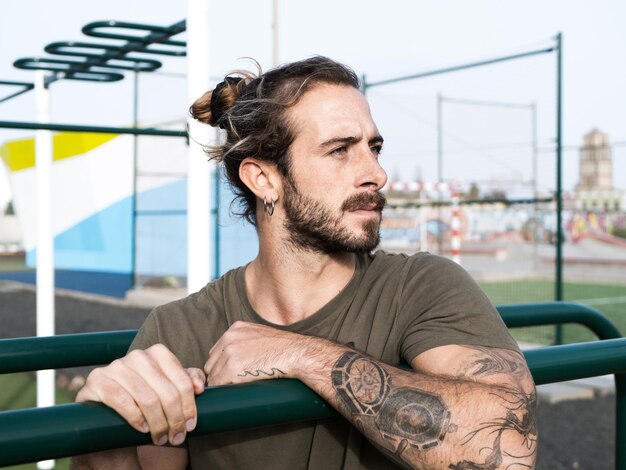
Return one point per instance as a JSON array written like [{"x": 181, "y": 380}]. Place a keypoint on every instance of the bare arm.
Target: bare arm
[{"x": 461, "y": 408}]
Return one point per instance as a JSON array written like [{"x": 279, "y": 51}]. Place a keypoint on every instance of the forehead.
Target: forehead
[{"x": 327, "y": 111}]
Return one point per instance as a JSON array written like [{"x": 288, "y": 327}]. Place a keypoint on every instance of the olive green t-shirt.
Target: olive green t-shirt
[{"x": 394, "y": 308}]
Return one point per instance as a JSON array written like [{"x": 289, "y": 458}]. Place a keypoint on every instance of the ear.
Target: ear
[{"x": 261, "y": 178}]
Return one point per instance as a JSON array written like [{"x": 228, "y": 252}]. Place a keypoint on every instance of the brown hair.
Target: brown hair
[{"x": 251, "y": 109}]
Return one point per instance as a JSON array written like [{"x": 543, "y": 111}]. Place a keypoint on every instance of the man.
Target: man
[{"x": 302, "y": 152}]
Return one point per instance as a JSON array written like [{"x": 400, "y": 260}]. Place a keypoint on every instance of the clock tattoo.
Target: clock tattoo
[{"x": 361, "y": 383}]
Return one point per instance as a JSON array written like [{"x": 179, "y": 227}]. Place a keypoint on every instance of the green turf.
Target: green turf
[
  {"x": 13, "y": 263},
  {"x": 508, "y": 292},
  {"x": 19, "y": 391}
]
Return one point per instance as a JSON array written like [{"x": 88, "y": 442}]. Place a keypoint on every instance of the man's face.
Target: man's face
[{"x": 331, "y": 196}]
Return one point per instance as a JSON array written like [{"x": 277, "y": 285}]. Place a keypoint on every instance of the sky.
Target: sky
[{"x": 484, "y": 143}]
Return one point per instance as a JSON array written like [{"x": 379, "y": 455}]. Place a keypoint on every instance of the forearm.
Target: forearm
[
  {"x": 421, "y": 420},
  {"x": 122, "y": 459}
]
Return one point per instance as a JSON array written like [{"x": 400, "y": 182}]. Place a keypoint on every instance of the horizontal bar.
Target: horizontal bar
[
  {"x": 79, "y": 428},
  {"x": 64, "y": 430},
  {"x": 27, "y": 354},
  {"x": 508, "y": 202},
  {"x": 57, "y": 352},
  {"x": 456, "y": 68},
  {"x": 551, "y": 313},
  {"x": 577, "y": 361},
  {"x": 100, "y": 129}
]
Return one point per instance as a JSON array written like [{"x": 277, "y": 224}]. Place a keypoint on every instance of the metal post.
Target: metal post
[
  {"x": 439, "y": 171},
  {"x": 133, "y": 223},
  {"x": 45, "y": 242},
  {"x": 275, "y": 35},
  {"x": 533, "y": 108},
  {"x": 199, "y": 249},
  {"x": 559, "y": 200},
  {"x": 216, "y": 251}
]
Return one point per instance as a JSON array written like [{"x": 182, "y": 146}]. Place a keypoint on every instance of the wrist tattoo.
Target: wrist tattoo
[{"x": 273, "y": 371}]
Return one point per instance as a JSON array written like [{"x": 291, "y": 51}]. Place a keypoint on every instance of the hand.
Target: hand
[
  {"x": 151, "y": 390},
  {"x": 247, "y": 352}
]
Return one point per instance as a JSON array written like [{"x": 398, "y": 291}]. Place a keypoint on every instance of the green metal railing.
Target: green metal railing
[
  {"x": 71, "y": 429},
  {"x": 84, "y": 349}
]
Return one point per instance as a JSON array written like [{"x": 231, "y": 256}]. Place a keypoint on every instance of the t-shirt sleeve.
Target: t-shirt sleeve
[
  {"x": 442, "y": 304},
  {"x": 147, "y": 335}
]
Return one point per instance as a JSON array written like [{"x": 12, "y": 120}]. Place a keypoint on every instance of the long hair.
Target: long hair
[{"x": 251, "y": 108}]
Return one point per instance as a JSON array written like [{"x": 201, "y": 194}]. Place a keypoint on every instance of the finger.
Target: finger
[
  {"x": 142, "y": 388},
  {"x": 156, "y": 369},
  {"x": 184, "y": 384},
  {"x": 198, "y": 378},
  {"x": 100, "y": 388}
]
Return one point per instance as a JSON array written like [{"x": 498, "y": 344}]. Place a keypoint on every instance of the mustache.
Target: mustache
[{"x": 362, "y": 200}]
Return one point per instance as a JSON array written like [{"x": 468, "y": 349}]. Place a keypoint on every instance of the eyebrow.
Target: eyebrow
[{"x": 377, "y": 139}]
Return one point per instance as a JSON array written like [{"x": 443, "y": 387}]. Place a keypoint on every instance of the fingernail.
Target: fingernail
[
  {"x": 162, "y": 441},
  {"x": 190, "y": 425},
  {"x": 178, "y": 439}
]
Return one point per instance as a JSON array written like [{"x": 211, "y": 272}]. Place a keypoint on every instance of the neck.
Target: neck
[{"x": 286, "y": 285}]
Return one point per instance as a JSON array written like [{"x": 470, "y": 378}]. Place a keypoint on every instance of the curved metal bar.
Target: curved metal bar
[
  {"x": 159, "y": 34},
  {"x": 110, "y": 53},
  {"x": 64, "y": 67},
  {"x": 27, "y": 354},
  {"x": 550, "y": 313},
  {"x": 59, "y": 431}
]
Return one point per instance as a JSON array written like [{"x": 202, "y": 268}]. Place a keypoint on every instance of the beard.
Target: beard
[{"x": 313, "y": 226}]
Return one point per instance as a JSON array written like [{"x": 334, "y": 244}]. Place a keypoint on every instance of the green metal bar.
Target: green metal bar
[
  {"x": 458, "y": 67},
  {"x": 64, "y": 430},
  {"x": 26, "y": 87},
  {"x": 550, "y": 313},
  {"x": 28, "y": 354},
  {"x": 100, "y": 129},
  {"x": 559, "y": 180},
  {"x": 57, "y": 352}
]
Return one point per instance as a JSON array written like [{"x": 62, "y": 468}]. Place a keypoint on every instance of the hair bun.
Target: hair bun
[
  {"x": 211, "y": 106},
  {"x": 223, "y": 97}
]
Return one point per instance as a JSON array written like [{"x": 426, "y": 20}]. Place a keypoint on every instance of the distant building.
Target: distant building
[{"x": 595, "y": 191}]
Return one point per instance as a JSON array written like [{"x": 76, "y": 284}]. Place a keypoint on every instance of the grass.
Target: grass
[
  {"x": 607, "y": 298},
  {"x": 18, "y": 391},
  {"x": 10, "y": 263}
]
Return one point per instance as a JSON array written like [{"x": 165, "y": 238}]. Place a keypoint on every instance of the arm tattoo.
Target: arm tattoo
[
  {"x": 273, "y": 371},
  {"x": 404, "y": 416},
  {"x": 489, "y": 361},
  {"x": 407, "y": 417},
  {"x": 520, "y": 417}
]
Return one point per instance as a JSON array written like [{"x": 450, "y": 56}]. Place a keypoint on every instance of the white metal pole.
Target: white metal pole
[
  {"x": 199, "y": 229},
  {"x": 275, "y": 34},
  {"x": 45, "y": 242}
]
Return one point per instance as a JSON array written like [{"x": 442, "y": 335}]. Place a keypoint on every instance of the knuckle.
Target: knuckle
[
  {"x": 149, "y": 399},
  {"x": 169, "y": 397},
  {"x": 186, "y": 386}
]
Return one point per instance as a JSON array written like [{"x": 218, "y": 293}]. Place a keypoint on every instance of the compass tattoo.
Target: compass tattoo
[{"x": 406, "y": 417}]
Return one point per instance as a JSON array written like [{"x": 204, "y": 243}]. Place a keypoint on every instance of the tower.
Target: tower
[{"x": 594, "y": 190}]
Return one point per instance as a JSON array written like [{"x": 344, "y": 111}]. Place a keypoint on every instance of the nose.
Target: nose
[{"x": 371, "y": 174}]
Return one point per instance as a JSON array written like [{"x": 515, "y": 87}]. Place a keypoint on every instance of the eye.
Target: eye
[
  {"x": 339, "y": 150},
  {"x": 377, "y": 149}
]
